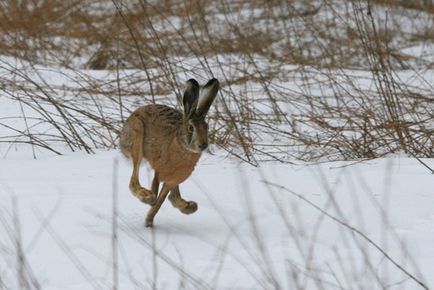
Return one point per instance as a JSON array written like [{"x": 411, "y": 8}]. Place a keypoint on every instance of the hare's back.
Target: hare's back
[
  {"x": 160, "y": 115},
  {"x": 152, "y": 124},
  {"x": 159, "y": 120}
]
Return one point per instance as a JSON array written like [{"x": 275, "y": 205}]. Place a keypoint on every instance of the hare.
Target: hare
[{"x": 172, "y": 142}]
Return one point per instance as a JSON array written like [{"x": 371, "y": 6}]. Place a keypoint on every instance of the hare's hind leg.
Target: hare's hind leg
[
  {"x": 186, "y": 207},
  {"x": 140, "y": 192}
]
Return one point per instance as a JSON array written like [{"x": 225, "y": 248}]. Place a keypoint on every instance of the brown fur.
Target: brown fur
[
  {"x": 159, "y": 126},
  {"x": 171, "y": 142}
]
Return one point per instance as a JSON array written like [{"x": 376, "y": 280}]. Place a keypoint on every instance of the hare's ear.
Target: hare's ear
[
  {"x": 190, "y": 98},
  {"x": 207, "y": 96}
]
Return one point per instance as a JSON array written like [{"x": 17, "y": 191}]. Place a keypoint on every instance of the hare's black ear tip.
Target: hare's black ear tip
[
  {"x": 213, "y": 82},
  {"x": 192, "y": 82}
]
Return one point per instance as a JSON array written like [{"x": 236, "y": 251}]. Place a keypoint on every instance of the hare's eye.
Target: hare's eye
[{"x": 190, "y": 128}]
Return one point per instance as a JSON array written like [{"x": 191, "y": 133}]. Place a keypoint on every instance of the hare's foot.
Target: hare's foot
[
  {"x": 186, "y": 207},
  {"x": 145, "y": 196},
  {"x": 149, "y": 223},
  {"x": 189, "y": 208}
]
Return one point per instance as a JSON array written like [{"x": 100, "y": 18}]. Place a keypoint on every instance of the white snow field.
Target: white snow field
[{"x": 249, "y": 232}]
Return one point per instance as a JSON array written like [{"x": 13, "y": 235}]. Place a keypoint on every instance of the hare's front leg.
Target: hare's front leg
[
  {"x": 153, "y": 211},
  {"x": 186, "y": 207},
  {"x": 155, "y": 184}
]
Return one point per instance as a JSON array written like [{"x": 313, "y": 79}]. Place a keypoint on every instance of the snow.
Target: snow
[{"x": 238, "y": 239}]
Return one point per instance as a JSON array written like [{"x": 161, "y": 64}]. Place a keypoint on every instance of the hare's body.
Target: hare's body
[
  {"x": 159, "y": 127},
  {"x": 172, "y": 142}
]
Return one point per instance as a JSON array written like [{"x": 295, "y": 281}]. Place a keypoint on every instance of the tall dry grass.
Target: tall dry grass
[{"x": 301, "y": 80}]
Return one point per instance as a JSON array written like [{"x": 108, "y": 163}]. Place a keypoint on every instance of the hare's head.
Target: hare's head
[{"x": 194, "y": 135}]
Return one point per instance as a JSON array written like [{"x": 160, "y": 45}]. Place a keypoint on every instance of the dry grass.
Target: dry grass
[
  {"x": 419, "y": 5},
  {"x": 287, "y": 92}
]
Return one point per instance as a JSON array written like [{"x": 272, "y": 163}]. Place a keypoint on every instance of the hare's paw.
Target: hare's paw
[
  {"x": 146, "y": 196},
  {"x": 149, "y": 223},
  {"x": 149, "y": 200},
  {"x": 190, "y": 208}
]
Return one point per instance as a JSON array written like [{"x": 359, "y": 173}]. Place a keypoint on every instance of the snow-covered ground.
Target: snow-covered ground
[{"x": 249, "y": 232}]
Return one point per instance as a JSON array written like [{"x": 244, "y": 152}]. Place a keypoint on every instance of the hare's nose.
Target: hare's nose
[{"x": 203, "y": 146}]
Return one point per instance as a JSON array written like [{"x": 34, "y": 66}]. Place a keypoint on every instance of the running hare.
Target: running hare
[{"x": 172, "y": 142}]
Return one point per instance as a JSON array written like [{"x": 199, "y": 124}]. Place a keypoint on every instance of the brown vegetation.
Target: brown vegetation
[{"x": 287, "y": 88}]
